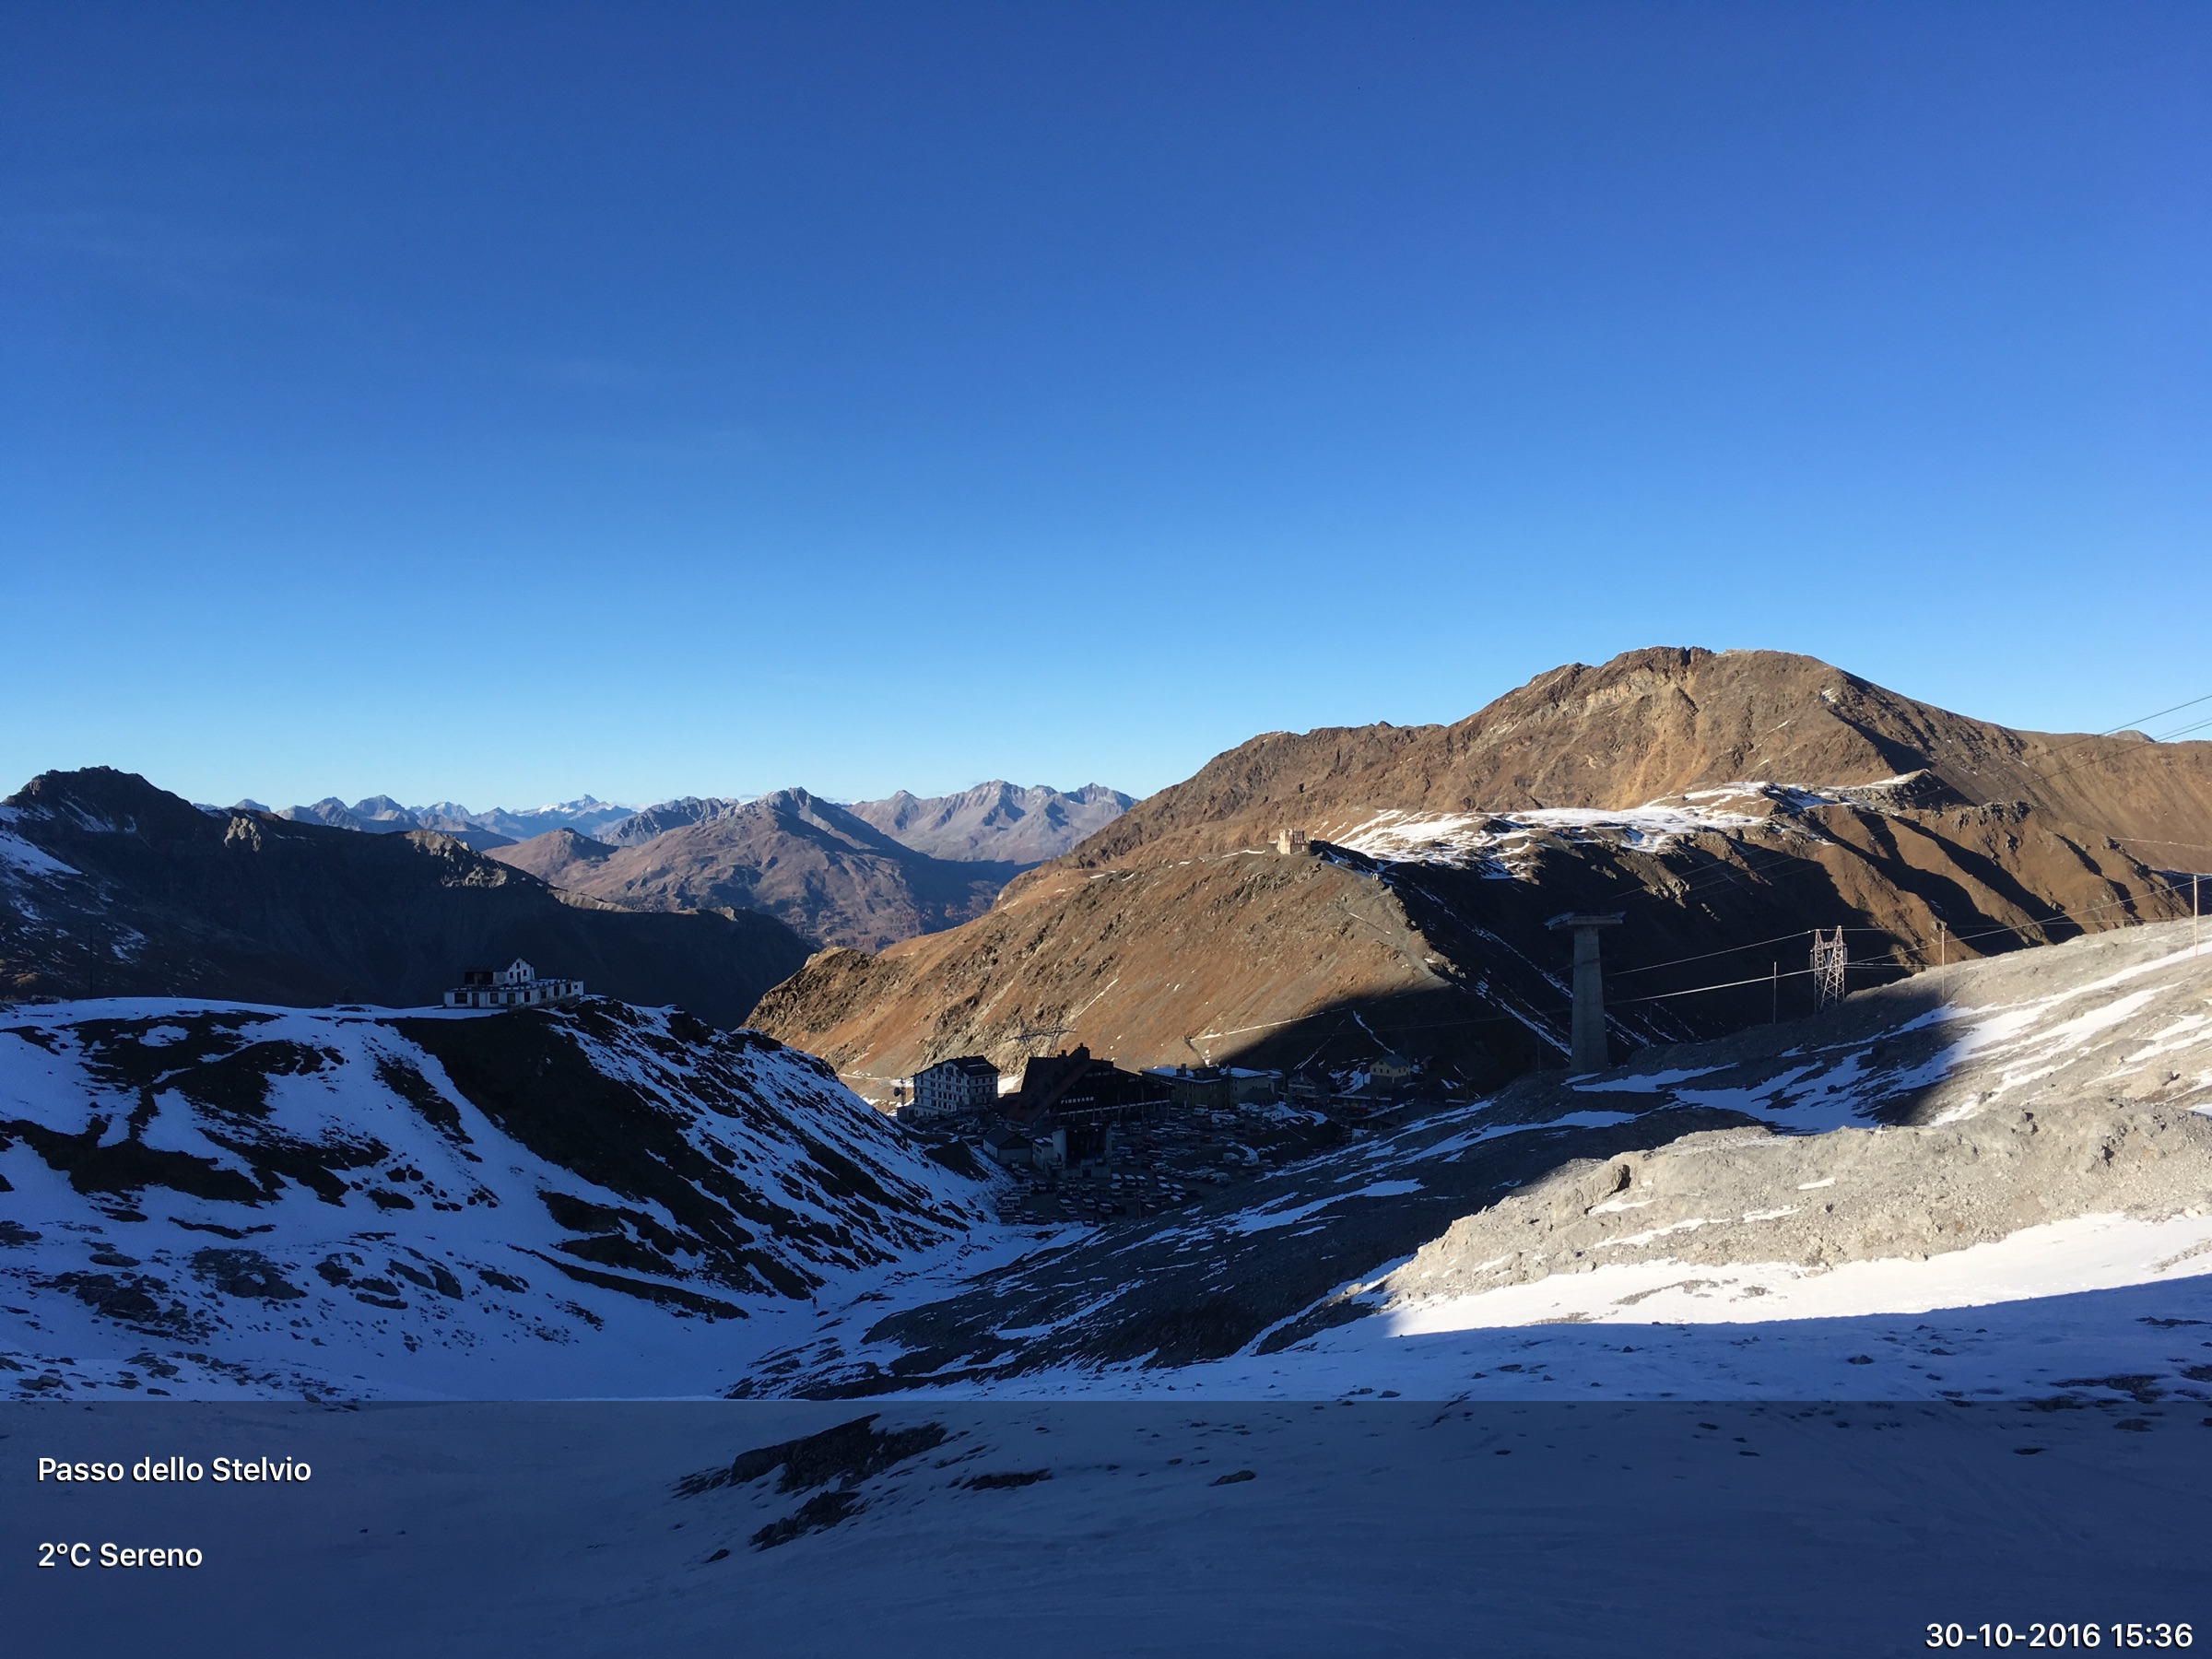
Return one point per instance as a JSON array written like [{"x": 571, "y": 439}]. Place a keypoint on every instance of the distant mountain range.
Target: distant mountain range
[
  {"x": 997, "y": 820},
  {"x": 826, "y": 873},
  {"x": 863, "y": 875},
  {"x": 993, "y": 823},
  {"x": 381, "y": 815}
]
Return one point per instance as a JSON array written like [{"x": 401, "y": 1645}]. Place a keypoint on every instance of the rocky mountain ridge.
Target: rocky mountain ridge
[
  {"x": 1653, "y": 724},
  {"x": 1418, "y": 923}
]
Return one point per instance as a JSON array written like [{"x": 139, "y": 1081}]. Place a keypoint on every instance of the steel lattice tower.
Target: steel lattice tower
[{"x": 1830, "y": 961}]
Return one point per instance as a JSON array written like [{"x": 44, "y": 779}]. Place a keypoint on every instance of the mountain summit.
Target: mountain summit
[{"x": 1651, "y": 725}]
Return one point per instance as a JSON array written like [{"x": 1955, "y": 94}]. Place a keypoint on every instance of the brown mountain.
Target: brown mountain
[
  {"x": 831, "y": 877},
  {"x": 110, "y": 887},
  {"x": 1659, "y": 723},
  {"x": 1725, "y": 804}
]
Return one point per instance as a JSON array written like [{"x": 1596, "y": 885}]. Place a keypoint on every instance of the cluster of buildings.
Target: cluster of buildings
[
  {"x": 1066, "y": 1110},
  {"x": 1069, "y": 1108}
]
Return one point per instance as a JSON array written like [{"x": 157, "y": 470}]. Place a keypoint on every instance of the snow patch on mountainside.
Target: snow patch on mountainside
[
  {"x": 19, "y": 858},
  {"x": 1498, "y": 843}
]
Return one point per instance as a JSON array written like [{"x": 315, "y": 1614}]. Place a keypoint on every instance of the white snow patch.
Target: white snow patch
[
  {"x": 2089, "y": 1253},
  {"x": 19, "y": 858},
  {"x": 1262, "y": 1220}
]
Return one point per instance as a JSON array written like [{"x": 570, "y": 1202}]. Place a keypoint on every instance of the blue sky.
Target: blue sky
[{"x": 500, "y": 404}]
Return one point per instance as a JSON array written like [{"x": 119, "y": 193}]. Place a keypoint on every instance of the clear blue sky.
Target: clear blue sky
[{"x": 500, "y": 404}]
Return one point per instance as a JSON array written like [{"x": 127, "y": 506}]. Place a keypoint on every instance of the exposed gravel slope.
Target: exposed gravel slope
[{"x": 2062, "y": 1083}]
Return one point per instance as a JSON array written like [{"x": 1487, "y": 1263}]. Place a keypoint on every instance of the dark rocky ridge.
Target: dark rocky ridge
[{"x": 159, "y": 897}]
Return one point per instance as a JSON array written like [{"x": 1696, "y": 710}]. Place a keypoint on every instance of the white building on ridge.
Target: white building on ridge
[{"x": 514, "y": 986}]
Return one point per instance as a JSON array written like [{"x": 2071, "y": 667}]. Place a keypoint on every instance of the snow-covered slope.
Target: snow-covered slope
[
  {"x": 2019, "y": 1150},
  {"x": 215, "y": 1197}
]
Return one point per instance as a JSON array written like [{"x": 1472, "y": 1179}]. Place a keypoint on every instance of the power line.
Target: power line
[
  {"x": 1764, "y": 979},
  {"x": 2087, "y": 910},
  {"x": 2130, "y": 725},
  {"x": 2160, "y": 715},
  {"x": 1730, "y": 950},
  {"x": 2084, "y": 760}
]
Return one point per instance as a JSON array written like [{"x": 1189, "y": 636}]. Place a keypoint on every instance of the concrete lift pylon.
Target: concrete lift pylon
[{"x": 1590, "y": 1051}]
